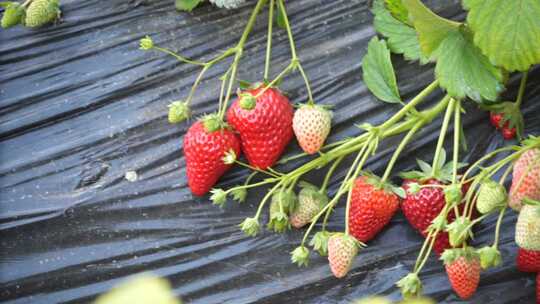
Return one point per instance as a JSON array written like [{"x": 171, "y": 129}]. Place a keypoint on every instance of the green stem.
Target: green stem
[
  {"x": 265, "y": 198},
  {"x": 295, "y": 59},
  {"x": 269, "y": 39},
  {"x": 457, "y": 133},
  {"x": 239, "y": 51},
  {"x": 444, "y": 128},
  {"x": 498, "y": 227},
  {"x": 400, "y": 148},
  {"x": 256, "y": 169},
  {"x": 178, "y": 57},
  {"x": 522, "y": 85},
  {"x": 329, "y": 175}
]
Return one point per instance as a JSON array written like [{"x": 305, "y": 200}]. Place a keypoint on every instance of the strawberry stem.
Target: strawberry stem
[
  {"x": 457, "y": 133},
  {"x": 269, "y": 39},
  {"x": 498, "y": 228},
  {"x": 444, "y": 128},
  {"x": 329, "y": 174},
  {"x": 179, "y": 57},
  {"x": 273, "y": 174},
  {"x": 522, "y": 86},
  {"x": 294, "y": 59},
  {"x": 400, "y": 148}
]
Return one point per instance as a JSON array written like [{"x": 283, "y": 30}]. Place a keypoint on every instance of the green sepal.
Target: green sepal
[
  {"x": 319, "y": 242},
  {"x": 239, "y": 194},
  {"x": 459, "y": 231},
  {"x": 300, "y": 256},
  {"x": 250, "y": 226},
  {"x": 410, "y": 286},
  {"x": 489, "y": 257},
  {"x": 13, "y": 15},
  {"x": 510, "y": 113},
  {"x": 450, "y": 255},
  {"x": 218, "y": 197}
]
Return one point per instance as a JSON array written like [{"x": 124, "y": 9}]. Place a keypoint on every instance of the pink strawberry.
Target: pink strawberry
[
  {"x": 525, "y": 178},
  {"x": 311, "y": 124},
  {"x": 342, "y": 249},
  {"x": 264, "y": 124},
  {"x": 372, "y": 207},
  {"x": 205, "y": 144}
]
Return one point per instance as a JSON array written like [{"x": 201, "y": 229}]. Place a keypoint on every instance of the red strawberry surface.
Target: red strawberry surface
[
  {"x": 421, "y": 208},
  {"x": 204, "y": 152},
  {"x": 525, "y": 178},
  {"x": 507, "y": 132},
  {"x": 528, "y": 260},
  {"x": 266, "y": 129},
  {"x": 495, "y": 119},
  {"x": 464, "y": 276},
  {"x": 371, "y": 209}
]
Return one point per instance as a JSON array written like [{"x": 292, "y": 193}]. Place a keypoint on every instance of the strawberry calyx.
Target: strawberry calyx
[
  {"x": 443, "y": 171},
  {"x": 386, "y": 186},
  {"x": 212, "y": 123},
  {"x": 459, "y": 231},
  {"x": 410, "y": 285},
  {"x": 449, "y": 256},
  {"x": 300, "y": 256},
  {"x": 490, "y": 257},
  {"x": 319, "y": 242}
]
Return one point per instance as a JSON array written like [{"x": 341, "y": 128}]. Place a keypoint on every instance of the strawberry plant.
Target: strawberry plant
[{"x": 443, "y": 200}]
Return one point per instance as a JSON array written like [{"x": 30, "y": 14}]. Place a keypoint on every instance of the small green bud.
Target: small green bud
[
  {"x": 146, "y": 43},
  {"x": 218, "y": 197},
  {"x": 459, "y": 231},
  {"x": 300, "y": 256},
  {"x": 439, "y": 223},
  {"x": 239, "y": 194},
  {"x": 489, "y": 257},
  {"x": 279, "y": 222},
  {"x": 250, "y": 226},
  {"x": 410, "y": 286},
  {"x": 178, "y": 112}
]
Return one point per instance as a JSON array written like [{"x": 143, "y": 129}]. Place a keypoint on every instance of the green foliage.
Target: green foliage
[
  {"x": 14, "y": 14},
  {"x": 378, "y": 72},
  {"x": 398, "y": 10},
  {"x": 402, "y": 38},
  {"x": 187, "y": 5},
  {"x": 464, "y": 71},
  {"x": 432, "y": 29},
  {"x": 507, "y": 32}
]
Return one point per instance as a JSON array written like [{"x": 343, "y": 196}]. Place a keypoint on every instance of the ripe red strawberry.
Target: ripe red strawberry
[
  {"x": 528, "y": 260},
  {"x": 264, "y": 124},
  {"x": 495, "y": 119},
  {"x": 372, "y": 207},
  {"x": 342, "y": 249},
  {"x": 525, "y": 178},
  {"x": 311, "y": 124},
  {"x": 205, "y": 144},
  {"x": 507, "y": 132},
  {"x": 463, "y": 270}
]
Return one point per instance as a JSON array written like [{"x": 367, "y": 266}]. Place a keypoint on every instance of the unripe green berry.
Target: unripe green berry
[
  {"x": 13, "y": 15},
  {"x": 41, "y": 12}
]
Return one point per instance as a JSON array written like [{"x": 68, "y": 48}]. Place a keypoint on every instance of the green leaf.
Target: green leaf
[
  {"x": 432, "y": 29},
  {"x": 402, "y": 38},
  {"x": 378, "y": 72},
  {"x": 5, "y": 4},
  {"x": 187, "y": 5},
  {"x": 464, "y": 71},
  {"x": 508, "y": 32},
  {"x": 280, "y": 19},
  {"x": 398, "y": 10}
]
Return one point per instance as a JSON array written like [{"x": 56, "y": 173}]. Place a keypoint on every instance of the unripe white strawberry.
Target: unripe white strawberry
[
  {"x": 491, "y": 196},
  {"x": 310, "y": 202},
  {"x": 528, "y": 227},
  {"x": 311, "y": 125},
  {"x": 41, "y": 12},
  {"x": 342, "y": 249}
]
